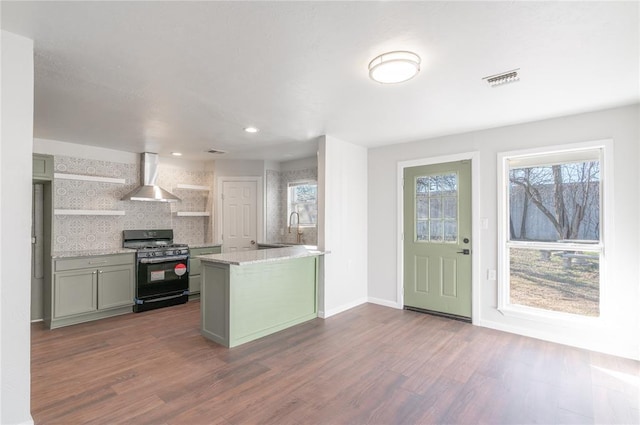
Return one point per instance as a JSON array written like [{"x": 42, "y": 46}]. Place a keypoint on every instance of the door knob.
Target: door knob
[
  {"x": 464, "y": 251},
  {"x": 253, "y": 242}
]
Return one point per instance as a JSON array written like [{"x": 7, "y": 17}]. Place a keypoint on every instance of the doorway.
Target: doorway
[
  {"x": 37, "y": 251},
  {"x": 241, "y": 209},
  {"x": 41, "y": 228},
  {"x": 437, "y": 203}
]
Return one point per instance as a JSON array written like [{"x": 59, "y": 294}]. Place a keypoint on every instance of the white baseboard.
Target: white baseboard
[
  {"x": 37, "y": 320},
  {"x": 385, "y": 303},
  {"x": 340, "y": 309}
]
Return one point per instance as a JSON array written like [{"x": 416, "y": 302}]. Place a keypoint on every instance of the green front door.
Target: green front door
[{"x": 437, "y": 238}]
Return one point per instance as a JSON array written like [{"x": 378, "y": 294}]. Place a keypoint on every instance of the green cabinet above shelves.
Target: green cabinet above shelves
[{"x": 42, "y": 167}]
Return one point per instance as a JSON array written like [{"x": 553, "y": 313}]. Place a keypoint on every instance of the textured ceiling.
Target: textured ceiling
[{"x": 189, "y": 76}]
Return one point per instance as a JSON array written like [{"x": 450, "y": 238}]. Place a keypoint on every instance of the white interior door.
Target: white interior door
[{"x": 239, "y": 215}]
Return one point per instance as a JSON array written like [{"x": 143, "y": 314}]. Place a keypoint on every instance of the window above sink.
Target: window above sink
[{"x": 302, "y": 198}]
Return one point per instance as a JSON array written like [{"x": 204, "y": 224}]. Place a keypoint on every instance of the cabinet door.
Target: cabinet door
[
  {"x": 195, "y": 284},
  {"x": 42, "y": 167},
  {"x": 75, "y": 292},
  {"x": 194, "y": 266},
  {"x": 115, "y": 286}
]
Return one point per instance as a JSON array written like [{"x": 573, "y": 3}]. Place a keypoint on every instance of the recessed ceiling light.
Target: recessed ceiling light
[
  {"x": 251, "y": 130},
  {"x": 394, "y": 67},
  {"x": 176, "y": 153}
]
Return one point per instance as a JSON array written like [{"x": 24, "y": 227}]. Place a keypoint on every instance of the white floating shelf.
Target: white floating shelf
[
  {"x": 88, "y": 178},
  {"x": 88, "y": 212},
  {"x": 192, "y": 187},
  {"x": 193, "y": 214}
]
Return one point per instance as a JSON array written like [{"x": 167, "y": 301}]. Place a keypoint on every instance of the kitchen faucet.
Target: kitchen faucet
[{"x": 298, "y": 231}]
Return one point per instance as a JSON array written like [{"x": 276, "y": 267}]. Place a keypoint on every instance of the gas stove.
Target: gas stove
[{"x": 162, "y": 268}]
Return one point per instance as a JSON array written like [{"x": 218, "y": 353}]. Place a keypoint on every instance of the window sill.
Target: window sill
[{"x": 551, "y": 317}]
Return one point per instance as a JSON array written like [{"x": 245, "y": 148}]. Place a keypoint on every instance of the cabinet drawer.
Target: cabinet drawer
[
  {"x": 93, "y": 262},
  {"x": 205, "y": 251},
  {"x": 194, "y": 263}
]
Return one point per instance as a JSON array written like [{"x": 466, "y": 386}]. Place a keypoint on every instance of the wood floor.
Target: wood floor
[{"x": 369, "y": 365}]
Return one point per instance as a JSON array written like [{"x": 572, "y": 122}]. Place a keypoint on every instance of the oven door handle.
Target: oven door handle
[
  {"x": 168, "y": 297},
  {"x": 163, "y": 259}
]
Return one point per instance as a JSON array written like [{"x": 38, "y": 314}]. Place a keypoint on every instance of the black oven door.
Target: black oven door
[{"x": 159, "y": 277}]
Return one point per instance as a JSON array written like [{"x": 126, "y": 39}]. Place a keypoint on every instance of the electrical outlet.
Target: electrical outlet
[{"x": 491, "y": 274}]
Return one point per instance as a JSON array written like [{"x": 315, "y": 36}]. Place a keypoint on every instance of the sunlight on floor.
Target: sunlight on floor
[{"x": 624, "y": 377}]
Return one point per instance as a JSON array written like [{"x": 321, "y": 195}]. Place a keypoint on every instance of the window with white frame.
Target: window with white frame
[
  {"x": 552, "y": 232},
  {"x": 302, "y": 198}
]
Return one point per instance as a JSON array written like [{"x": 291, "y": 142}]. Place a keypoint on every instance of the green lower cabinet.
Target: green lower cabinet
[
  {"x": 90, "y": 288},
  {"x": 115, "y": 287},
  {"x": 241, "y": 303},
  {"x": 75, "y": 292},
  {"x": 195, "y": 267}
]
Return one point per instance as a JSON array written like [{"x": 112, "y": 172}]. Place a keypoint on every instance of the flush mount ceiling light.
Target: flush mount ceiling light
[
  {"x": 394, "y": 67},
  {"x": 503, "y": 78},
  {"x": 251, "y": 130}
]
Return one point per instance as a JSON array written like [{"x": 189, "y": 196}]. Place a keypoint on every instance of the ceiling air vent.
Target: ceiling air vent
[
  {"x": 216, "y": 151},
  {"x": 503, "y": 78}
]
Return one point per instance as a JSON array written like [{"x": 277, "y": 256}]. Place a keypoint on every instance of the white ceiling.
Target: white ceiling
[{"x": 189, "y": 76}]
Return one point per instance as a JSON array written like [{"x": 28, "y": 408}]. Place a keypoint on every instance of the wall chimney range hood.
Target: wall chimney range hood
[{"x": 149, "y": 190}]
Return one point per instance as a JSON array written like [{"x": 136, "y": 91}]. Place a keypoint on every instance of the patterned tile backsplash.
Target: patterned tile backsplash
[
  {"x": 89, "y": 232},
  {"x": 277, "y": 220}
]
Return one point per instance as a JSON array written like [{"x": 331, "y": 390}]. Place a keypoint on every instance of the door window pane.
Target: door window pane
[
  {"x": 435, "y": 230},
  {"x": 436, "y": 208},
  {"x": 421, "y": 230},
  {"x": 422, "y": 204},
  {"x": 450, "y": 231},
  {"x": 450, "y": 207}
]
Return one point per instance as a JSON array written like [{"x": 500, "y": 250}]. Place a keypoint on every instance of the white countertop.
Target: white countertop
[
  {"x": 260, "y": 255},
  {"x": 92, "y": 252},
  {"x": 204, "y": 245}
]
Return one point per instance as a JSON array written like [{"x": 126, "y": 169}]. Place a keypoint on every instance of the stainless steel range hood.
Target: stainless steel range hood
[{"x": 149, "y": 191}]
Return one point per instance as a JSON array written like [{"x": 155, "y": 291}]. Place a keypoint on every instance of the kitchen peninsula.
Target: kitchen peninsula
[{"x": 250, "y": 294}]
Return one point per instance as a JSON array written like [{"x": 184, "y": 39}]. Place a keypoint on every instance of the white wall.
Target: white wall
[
  {"x": 238, "y": 167},
  {"x": 15, "y": 227},
  {"x": 299, "y": 164},
  {"x": 57, "y": 147},
  {"x": 342, "y": 203},
  {"x": 620, "y": 333}
]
